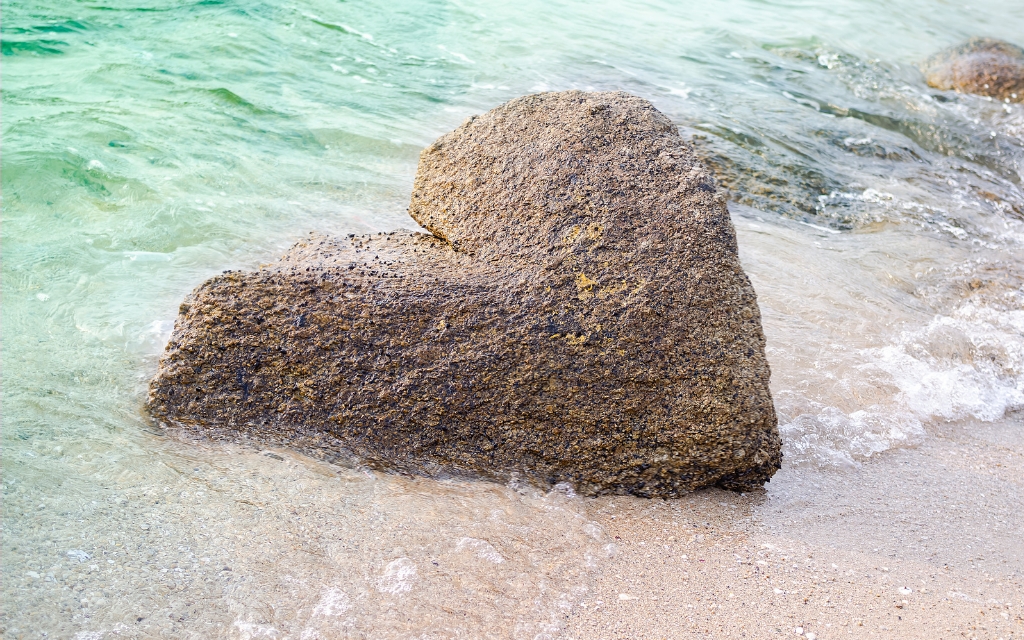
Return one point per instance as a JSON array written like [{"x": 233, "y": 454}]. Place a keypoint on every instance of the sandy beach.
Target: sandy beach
[
  {"x": 918, "y": 542},
  {"x": 915, "y": 543}
]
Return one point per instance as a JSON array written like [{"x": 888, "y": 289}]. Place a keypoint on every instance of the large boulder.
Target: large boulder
[
  {"x": 577, "y": 313},
  {"x": 984, "y": 66}
]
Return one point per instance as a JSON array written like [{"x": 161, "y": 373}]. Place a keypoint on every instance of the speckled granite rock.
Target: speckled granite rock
[
  {"x": 578, "y": 315},
  {"x": 982, "y": 65}
]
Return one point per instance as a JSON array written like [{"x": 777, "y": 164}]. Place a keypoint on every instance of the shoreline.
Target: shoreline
[
  {"x": 830, "y": 551},
  {"x": 920, "y": 542}
]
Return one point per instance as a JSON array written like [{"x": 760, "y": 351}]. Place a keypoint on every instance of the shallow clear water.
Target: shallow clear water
[{"x": 148, "y": 147}]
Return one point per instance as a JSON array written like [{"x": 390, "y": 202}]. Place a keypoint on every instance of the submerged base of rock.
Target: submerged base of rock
[
  {"x": 984, "y": 66},
  {"x": 577, "y": 314}
]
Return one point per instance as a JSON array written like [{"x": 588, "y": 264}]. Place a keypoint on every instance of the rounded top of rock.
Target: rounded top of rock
[
  {"x": 984, "y": 66},
  {"x": 513, "y": 183}
]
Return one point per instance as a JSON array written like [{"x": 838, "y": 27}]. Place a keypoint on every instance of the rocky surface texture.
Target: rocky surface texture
[
  {"x": 982, "y": 65},
  {"x": 577, "y": 314}
]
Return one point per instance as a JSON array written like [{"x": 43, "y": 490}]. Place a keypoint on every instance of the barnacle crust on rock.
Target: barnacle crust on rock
[{"x": 577, "y": 314}]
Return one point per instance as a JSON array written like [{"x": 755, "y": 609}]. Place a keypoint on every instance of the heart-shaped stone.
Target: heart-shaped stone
[{"x": 577, "y": 314}]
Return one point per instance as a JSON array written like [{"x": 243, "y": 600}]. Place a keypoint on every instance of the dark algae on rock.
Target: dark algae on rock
[
  {"x": 984, "y": 66},
  {"x": 577, "y": 314}
]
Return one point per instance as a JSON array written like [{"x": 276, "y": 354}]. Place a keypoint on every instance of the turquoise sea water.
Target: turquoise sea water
[{"x": 148, "y": 147}]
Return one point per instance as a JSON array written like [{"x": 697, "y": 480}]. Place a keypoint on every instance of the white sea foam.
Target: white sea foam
[
  {"x": 482, "y": 549},
  {"x": 398, "y": 577},
  {"x": 333, "y": 602},
  {"x": 251, "y": 631},
  {"x": 966, "y": 365},
  {"x": 829, "y": 436}
]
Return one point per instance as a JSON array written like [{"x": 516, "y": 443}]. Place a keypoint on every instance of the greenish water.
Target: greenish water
[{"x": 148, "y": 147}]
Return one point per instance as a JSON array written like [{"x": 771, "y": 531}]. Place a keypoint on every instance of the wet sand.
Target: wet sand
[
  {"x": 926, "y": 542},
  {"x": 922, "y": 542}
]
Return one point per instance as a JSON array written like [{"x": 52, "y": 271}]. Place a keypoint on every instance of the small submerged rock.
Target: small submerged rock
[
  {"x": 984, "y": 66},
  {"x": 577, "y": 314}
]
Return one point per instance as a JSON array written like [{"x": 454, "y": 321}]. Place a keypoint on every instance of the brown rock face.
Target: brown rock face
[
  {"x": 578, "y": 315},
  {"x": 982, "y": 65}
]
